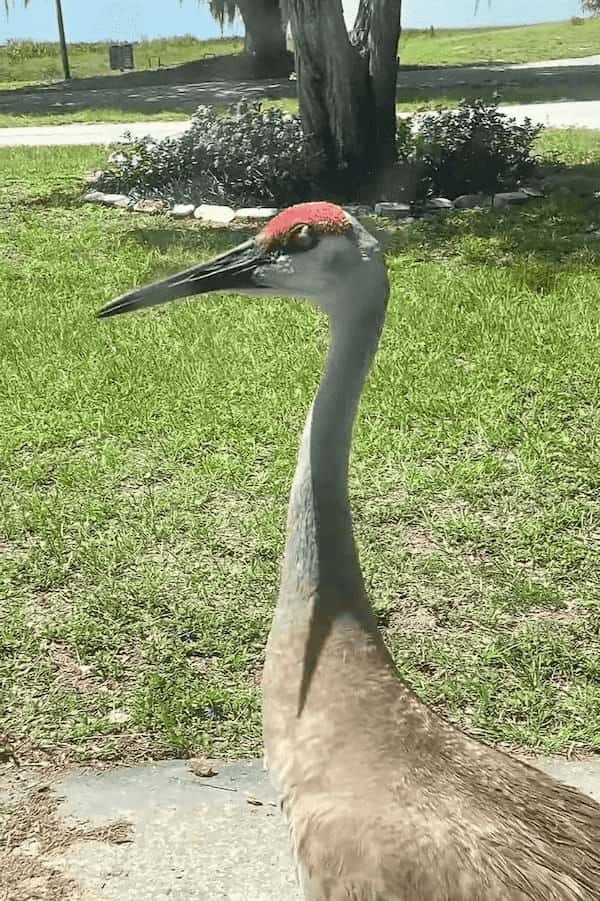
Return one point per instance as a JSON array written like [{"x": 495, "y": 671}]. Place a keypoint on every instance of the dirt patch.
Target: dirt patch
[
  {"x": 420, "y": 541},
  {"x": 72, "y": 672},
  {"x": 31, "y": 831},
  {"x": 563, "y": 616},
  {"x": 412, "y": 620},
  {"x": 11, "y": 550}
]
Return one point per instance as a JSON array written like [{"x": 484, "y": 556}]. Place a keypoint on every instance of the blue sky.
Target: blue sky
[{"x": 90, "y": 20}]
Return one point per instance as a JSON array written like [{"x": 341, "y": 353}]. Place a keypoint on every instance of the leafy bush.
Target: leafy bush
[
  {"x": 261, "y": 156},
  {"x": 251, "y": 156},
  {"x": 472, "y": 149}
]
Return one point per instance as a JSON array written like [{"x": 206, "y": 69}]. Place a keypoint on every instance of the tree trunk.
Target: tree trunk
[
  {"x": 265, "y": 37},
  {"x": 347, "y": 83}
]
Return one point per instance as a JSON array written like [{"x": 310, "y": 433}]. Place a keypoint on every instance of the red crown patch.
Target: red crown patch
[{"x": 326, "y": 217}]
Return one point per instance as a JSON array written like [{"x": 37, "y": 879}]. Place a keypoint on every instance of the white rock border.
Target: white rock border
[{"x": 214, "y": 214}]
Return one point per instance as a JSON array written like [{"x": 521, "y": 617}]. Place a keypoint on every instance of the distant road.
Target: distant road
[{"x": 60, "y": 98}]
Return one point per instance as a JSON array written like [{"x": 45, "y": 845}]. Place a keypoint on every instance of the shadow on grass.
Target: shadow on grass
[
  {"x": 148, "y": 100},
  {"x": 186, "y": 237},
  {"x": 535, "y": 243},
  {"x": 415, "y": 85}
]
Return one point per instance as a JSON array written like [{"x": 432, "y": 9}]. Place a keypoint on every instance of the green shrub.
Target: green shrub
[
  {"x": 474, "y": 148},
  {"x": 261, "y": 156},
  {"x": 250, "y": 156}
]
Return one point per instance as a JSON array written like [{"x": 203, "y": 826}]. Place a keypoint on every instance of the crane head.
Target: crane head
[{"x": 315, "y": 251}]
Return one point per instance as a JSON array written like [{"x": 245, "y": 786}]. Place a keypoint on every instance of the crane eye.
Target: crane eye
[{"x": 302, "y": 237}]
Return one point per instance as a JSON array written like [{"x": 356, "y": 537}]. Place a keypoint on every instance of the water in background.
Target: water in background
[{"x": 136, "y": 19}]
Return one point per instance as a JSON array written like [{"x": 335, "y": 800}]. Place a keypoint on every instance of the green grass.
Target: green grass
[
  {"x": 145, "y": 464},
  {"x": 87, "y": 116},
  {"x": 522, "y": 44},
  {"x": 27, "y": 62}
]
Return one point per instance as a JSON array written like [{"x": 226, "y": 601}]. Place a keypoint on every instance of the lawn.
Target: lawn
[
  {"x": 101, "y": 114},
  {"x": 29, "y": 62},
  {"x": 519, "y": 44},
  {"x": 145, "y": 464},
  {"x": 23, "y": 62}
]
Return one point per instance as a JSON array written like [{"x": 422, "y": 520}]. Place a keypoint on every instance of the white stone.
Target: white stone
[
  {"x": 393, "y": 210},
  {"x": 358, "y": 209},
  {"x": 182, "y": 210},
  {"x": 94, "y": 197},
  {"x": 510, "y": 198},
  {"x": 256, "y": 212},
  {"x": 531, "y": 191},
  {"x": 121, "y": 200},
  {"x": 439, "y": 204},
  {"x": 472, "y": 201},
  {"x": 209, "y": 213}
]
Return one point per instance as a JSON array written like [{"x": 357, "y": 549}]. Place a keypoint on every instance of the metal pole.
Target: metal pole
[{"x": 63, "y": 41}]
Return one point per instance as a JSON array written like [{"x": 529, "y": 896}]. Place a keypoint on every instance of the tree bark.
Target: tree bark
[
  {"x": 265, "y": 37},
  {"x": 383, "y": 36},
  {"x": 347, "y": 83}
]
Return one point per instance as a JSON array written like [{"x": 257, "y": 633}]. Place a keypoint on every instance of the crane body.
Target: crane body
[{"x": 385, "y": 800}]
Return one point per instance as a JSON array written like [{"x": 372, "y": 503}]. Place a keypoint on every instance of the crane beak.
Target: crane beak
[{"x": 231, "y": 271}]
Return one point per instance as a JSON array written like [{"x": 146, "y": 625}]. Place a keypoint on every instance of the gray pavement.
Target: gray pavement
[
  {"x": 98, "y": 133},
  {"x": 577, "y": 114},
  {"x": 570, "y": 75},
  {"x": 195, "y": 838}
]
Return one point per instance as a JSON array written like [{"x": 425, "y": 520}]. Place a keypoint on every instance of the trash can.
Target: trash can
[{"x": 121, "y": 56}]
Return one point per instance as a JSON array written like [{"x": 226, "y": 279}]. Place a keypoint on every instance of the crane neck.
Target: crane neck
[{"x": 321, "y": 559}]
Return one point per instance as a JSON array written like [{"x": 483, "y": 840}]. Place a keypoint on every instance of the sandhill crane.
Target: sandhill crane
[{"x": 385, "y": 800}]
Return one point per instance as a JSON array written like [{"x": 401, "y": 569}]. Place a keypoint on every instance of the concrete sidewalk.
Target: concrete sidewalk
[
  {"x": 98, "y": 133},
  {"x": 579, "y": 114},
  {"x": 566, "y": 76},
  {"x": 199, "y": 839}
]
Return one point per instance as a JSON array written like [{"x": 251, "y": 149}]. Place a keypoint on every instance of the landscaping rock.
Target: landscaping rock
[
  {"x": 439, "y": 204},
  {"x": 531, "y": 191},
  {"x": 118, "y": 200},
  {"x": 182, "y": 210},
  {"x": 256, "y": 212},
  {"x": 393, "y": 210},
  {"x": 358, "y": 209},
  {"x": 94, "y": 197},
  {"x": 123, "y": 202},
  {"x": 472, "y": 201},
  {"x": 209, "y": 213},
  {"x": 511, "y": 198},
  {"x": 149, "y": 205}
]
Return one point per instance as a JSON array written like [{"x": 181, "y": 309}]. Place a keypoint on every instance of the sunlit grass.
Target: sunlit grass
[
  {"x": 23, "y": 62},
  {"x": 520, "y": 44},
  {"x": 32, "y": 61},
  {"x": 88, "y": 116},
  {"x": 145, "y": 464}
]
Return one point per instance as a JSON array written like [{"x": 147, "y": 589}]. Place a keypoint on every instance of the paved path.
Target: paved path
[
  {"x": 570, "y": 74},
  {"x": 578, "y": 114},
  {"x": 100, "y": 133},
  {"x": 196, "y": 839}
]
